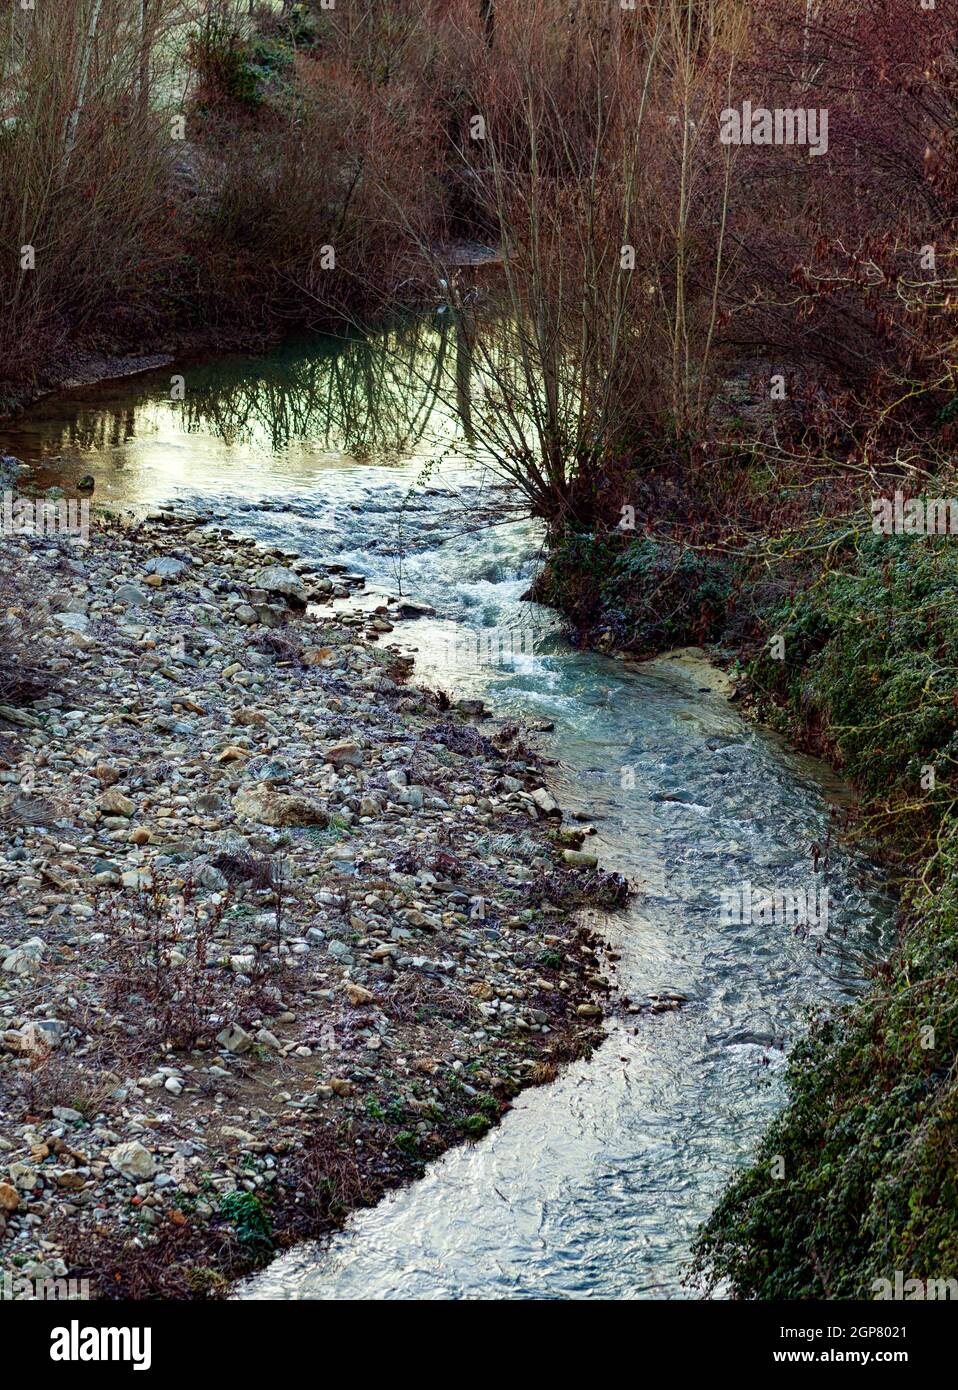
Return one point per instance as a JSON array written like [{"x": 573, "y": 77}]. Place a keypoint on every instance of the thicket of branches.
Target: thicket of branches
[{"x": 643, "y": 260}]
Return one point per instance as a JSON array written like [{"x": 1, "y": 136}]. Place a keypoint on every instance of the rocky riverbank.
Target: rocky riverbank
[{"x": 278, "y": 927}]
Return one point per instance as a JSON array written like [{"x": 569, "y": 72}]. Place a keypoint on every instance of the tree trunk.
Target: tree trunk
[
  {"x": 143, "y": 78},
  {"x": 86, "y": 58}
]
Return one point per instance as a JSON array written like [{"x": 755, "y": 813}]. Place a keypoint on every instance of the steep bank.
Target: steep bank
[
  {"x": 278, "y": 929},
  {"x": 856, "y": 1178}
]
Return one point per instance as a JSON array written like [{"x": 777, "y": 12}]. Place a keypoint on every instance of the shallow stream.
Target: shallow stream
[{"x": 591, "y": 1187}]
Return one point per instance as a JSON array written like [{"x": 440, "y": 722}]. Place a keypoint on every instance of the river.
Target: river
[{"x": 593, "y": 1186}]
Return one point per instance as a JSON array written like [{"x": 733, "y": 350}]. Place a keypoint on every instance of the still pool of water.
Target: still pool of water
[{"x": 592, "y": 1187}]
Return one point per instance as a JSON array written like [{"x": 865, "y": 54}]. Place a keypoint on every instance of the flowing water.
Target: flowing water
[{"x": 591, "y": 1187}]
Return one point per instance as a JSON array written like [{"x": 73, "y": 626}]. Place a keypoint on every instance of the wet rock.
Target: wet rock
[
  {"x": 545, "y": 801},
  {"x": 476, "y": 708},
  {"x": 569, "y": 835},
  {"x": 410, "y": 608},
  {"x": 579, "y": 859}
]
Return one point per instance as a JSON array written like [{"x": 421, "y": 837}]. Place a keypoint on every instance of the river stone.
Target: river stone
[
  {"x": 166, "y": 566},
  {"x": 579, "y": 859},
  {"x": 133, "y": 1161},
  {"x": 318, "y": 656},
  {"x": 276, "y": 579},
  {"x": 546, "y": 803},
  {"x": 234, "y": 1039},
  {"x": 73, "y": 622},
  {"x": 20, "y": 717},
  {"x": 568, "y": 835},
  {"x": 39, "y": 1038},
  {"x": 470, "y": 706},
  {"x": 208, "y": 876},
  {"x": 341, "y": 754},
  {"x": 249, "y": 717},
  {"x": 270, "y": 614},
  {"x": 131, "y": 596},
  {"x": 409, "y": 608},
  {"x": 25, "y": 959},
  {"x": 138, "y": 879},
  {"x": 261, "y": 803}
]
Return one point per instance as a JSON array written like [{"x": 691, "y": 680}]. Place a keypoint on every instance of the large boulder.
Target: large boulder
[
  {"x": 133, "y": 1161},
  {"x": 26, "y": 958},
  {"x": 264, "y": 804},
  {"x": 276, "y": 579}
]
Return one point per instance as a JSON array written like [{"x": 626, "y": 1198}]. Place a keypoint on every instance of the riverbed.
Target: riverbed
[{"x": 593, "y": 1186}]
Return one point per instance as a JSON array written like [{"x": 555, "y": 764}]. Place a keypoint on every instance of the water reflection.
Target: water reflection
[
  {"x": 400, "y": 395},
  {"x": 384, "y": 395}
]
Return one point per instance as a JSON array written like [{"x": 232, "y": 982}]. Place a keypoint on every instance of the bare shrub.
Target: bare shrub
[
  {"x": 84, "y": 161},
  {"x": 22, "y": 679}
]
